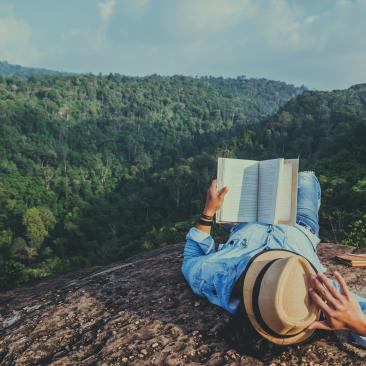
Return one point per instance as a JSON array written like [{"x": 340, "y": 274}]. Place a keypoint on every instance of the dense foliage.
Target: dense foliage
[
  {"x": 96, "y": 168},
  {"x": 327, "y": 130}
]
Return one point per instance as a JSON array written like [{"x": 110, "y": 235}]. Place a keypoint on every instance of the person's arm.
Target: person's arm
[
  {"x": 214, "y": 201},
  {"x": 342, "y": 309},
  {"x": 199, "y": 240}
]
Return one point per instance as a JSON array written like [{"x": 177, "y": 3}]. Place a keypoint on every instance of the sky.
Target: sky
[{"x": 318, "y": 43}]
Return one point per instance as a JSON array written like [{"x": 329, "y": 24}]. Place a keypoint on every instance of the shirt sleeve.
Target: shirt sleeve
[
  {"x": 361, "y": 340},
  {"x": 201, "y": 241},
  {"x": 198, "y": 245}
]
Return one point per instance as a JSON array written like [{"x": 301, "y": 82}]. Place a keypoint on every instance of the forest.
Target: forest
[{"x": 95, "y": 168}]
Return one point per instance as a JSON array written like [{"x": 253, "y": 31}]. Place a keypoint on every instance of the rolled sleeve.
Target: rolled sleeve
[{"x": 198, "y": 244}]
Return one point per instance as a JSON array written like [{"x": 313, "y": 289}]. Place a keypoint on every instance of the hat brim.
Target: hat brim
[{"x": 251, "y": 274}]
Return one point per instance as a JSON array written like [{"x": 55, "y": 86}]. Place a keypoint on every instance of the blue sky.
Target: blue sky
[{"x": 319, "y": 43}]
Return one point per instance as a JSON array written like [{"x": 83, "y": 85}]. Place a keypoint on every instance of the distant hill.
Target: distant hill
[
  {"x": 7, "y": 69},
  {"x": 308, "y": 124}
]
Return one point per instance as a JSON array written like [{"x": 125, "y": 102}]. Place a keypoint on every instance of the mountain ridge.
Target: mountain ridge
[{"x": 7, "y": 70}]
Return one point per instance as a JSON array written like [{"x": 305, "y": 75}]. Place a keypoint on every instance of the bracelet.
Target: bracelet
[
  {"x": 204, "y": 219},
  {"x": 204, "y": 222},
  {"x": 206, "y": 216}
]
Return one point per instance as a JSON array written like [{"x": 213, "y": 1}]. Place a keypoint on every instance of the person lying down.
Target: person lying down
[{"x": 273, "y": 273}]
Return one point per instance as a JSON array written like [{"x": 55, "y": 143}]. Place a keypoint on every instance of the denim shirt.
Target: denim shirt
[{"x": 213, "y": 274}]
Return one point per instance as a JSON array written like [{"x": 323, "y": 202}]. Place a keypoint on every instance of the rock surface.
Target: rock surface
[{"x": 142, "y": 312}]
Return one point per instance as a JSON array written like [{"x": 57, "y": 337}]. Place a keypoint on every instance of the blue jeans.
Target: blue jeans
[{"x": 308, "y": 201}]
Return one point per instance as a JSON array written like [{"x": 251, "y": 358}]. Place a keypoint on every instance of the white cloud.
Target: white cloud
[
  {"x": 214, "y": 15},
  {"x": 310, "y": 19},
  {"x": 5, "y": 9},
  {"x": 84, "y": 42},
  {"x": 15, "y": 38},
  {"x": 106, "y": 9},
  {"x": 320, "y": 44},
  {"x": 279, "y": 39}
]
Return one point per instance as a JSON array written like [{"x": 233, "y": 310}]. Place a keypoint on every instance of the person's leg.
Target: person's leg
[{"x": 308, "y": 201}]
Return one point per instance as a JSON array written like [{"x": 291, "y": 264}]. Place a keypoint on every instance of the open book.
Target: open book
[{"x": 264, "y": 191}]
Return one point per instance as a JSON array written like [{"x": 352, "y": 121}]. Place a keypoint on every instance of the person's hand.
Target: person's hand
[
  {"x": 341, "y": 311},
  {"x": 214, "y": 198}
]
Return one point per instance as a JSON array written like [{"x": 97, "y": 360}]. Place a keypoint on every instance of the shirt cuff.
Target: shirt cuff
[
  {"x": 220, "y": 246},
  {"x": 203, "y": 239},
  {"x": 360, "y": 340}
]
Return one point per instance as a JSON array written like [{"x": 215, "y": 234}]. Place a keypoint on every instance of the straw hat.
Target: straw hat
[{"x": 276, "y": 298}]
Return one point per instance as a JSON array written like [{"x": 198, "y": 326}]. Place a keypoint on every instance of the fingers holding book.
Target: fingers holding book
[{"x": 214, "y": 198}]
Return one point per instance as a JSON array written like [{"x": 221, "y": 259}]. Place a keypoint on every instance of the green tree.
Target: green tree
[{"x": 35, "y": 230}]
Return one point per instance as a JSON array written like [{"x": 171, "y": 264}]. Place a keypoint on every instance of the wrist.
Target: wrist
[
  {"x": 208, "y": 211},
  {"x": 363, "y": 326},
  {"x": 360, "y": 327}
]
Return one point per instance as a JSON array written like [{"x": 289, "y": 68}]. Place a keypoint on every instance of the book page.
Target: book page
[
  {"x": 287, "y": 196},
  {"x": 269, "y": 172},
  {"x": 240, "y": 203},
  {"x": 283, "y": 210}
]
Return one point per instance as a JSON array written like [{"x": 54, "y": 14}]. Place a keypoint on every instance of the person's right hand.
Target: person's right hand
[
  {"x": 340, "y": 309},
  {"x": 214, "y": 198}
]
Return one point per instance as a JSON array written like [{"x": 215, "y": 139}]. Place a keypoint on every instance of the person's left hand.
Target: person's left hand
[
  {"x": 340, "y": 309},
  {"x": 214, "y": 198}
]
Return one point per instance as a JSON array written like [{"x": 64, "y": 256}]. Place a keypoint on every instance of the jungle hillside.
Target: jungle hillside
[{"x": 95, "y": 168}]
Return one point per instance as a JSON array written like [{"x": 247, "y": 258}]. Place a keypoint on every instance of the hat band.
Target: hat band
[{"x": 255, "y": 304}]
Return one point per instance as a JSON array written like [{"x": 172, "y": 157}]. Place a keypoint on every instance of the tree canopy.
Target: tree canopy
[{"x": 95, "y": 168}]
